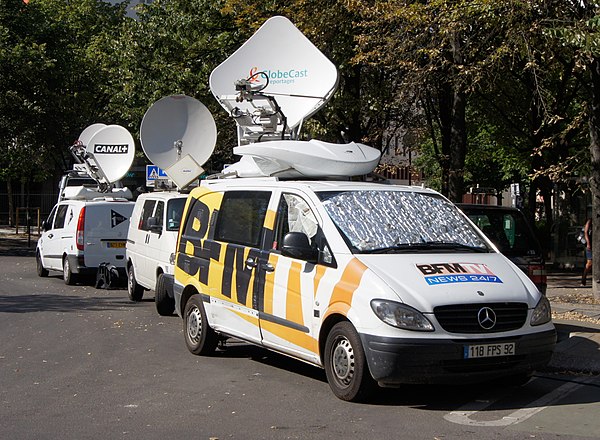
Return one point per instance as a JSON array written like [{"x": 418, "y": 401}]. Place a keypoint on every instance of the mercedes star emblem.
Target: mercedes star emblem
[{"x": 486, "y": 318}]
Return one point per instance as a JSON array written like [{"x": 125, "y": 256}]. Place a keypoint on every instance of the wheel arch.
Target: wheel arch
[
  {"x": 326, "y": 327},
  {"x": 186, "y": 294}
]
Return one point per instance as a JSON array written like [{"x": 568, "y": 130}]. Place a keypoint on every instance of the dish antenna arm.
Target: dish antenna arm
[{"x": 91, "y": 165}]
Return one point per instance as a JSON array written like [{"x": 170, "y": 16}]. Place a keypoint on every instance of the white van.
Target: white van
[
  {"x": 377, "y": 284},
  {"x": 151, "y": 243},
  {"x": 79, "y": 235}
]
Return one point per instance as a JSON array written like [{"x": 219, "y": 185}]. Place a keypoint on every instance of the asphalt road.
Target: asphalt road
[{"x": 81, "y": 363}]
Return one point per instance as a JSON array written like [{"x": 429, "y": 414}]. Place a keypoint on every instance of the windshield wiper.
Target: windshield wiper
[{"x": 426, "y": 246}]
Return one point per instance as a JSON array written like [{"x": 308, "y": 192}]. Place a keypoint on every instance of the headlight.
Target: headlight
[
  {"x": 542, "y": 312},
  {"x": 400, "y": 315}
]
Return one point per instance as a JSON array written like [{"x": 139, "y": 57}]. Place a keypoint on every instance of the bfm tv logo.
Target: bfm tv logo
[{"x": 448, "y": 273}]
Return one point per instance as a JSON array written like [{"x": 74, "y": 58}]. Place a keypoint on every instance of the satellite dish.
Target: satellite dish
[
  {"x": 300, "y": 77},
  {"x": 178, "y": 134},
  {"x": 113, "y": 149},
  {"x": 89, "y": 131}
]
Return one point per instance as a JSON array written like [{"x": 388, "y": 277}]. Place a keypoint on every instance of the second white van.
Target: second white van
[{"x": 151, "y": 242}]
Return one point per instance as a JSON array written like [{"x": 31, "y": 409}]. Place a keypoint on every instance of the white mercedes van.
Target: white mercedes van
[
  {"x": 79, "y": 235},
  {"x": 377, "y": 284},
  {"x": 151, "y": 243}
]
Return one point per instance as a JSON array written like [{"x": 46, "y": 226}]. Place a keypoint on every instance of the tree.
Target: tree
[{"x": 579, "y": 28}]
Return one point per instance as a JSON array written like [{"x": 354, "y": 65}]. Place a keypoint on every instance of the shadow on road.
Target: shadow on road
[
  {"x": 58, "y": 303},
  {"x": 11, "y": 247}
]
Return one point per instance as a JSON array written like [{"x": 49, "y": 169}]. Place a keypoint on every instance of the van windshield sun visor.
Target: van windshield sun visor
[{"x": 397, "y": 221}]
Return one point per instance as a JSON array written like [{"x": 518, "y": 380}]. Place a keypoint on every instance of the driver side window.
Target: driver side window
[{"x": 295, "y": 215}]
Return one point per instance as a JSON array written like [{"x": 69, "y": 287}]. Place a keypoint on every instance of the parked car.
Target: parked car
[
  {"x": 151, "y": 243},
  {"x": 512, "y": 234},
  {"x": 79, "y": 235},
  {"x": 377, "y": 284}
]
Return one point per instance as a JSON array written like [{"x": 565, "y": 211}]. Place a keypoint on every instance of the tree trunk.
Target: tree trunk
[
  {"x": 11, "y": 205},
  {"x": 458, "y": 132},
  {"x": 458, "y": 147},
  {"x": 594, "y": 125}
]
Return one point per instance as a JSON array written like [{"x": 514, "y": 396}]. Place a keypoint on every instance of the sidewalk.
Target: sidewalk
[
  {"x": 576, "y": 317},
  {"x": 577, "y": 321}
]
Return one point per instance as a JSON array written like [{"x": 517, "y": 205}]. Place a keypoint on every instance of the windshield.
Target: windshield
[{"x": 374, "y": 221}]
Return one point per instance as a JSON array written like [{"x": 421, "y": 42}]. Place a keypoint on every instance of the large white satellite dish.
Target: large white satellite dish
[
  {"x": 113, "y": 149},
  {"x": 178, "y": 134},
  {"x": 300, "y": 77},
  {"x": 90, "y": 131}
]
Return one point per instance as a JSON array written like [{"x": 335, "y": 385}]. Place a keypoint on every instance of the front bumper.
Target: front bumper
[{"x": 395, "y": 361}]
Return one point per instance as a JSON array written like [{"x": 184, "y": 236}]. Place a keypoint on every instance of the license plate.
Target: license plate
[
  {"x": 489, "y": 350},
  {"x": 116, "y": 244}
]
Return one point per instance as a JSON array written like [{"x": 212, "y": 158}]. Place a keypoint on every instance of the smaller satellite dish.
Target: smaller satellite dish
[
  {"x": 90, "y": 131},
  {"x": 113, "y": 149},
  {"x": 178, "y": 134}
]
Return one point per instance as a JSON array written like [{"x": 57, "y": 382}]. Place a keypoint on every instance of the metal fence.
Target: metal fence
[{"x": 38, "y": 203}]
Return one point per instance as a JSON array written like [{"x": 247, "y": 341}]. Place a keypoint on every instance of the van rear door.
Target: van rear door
[{"x": 105, "y": 232}]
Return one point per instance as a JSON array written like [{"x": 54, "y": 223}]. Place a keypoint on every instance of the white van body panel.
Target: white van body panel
[
  {"x": 105, "y": 232},
  {"x": 150, "y": 251}
]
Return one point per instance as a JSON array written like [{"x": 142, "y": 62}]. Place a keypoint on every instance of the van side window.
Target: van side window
[
  {"x": 146, "y": 214},
  {"x": 50, "y": 218},
  {"x": 294, "y": 215},
  {"x": 174, "y": 213},
  {"x": 61, "y": 214},
  {"x": 159, "y": 213},
  {"x": 241, "y": 217}
]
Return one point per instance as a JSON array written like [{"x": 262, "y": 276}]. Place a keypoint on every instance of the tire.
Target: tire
[
  {"x": 165, "y": 305},
  {"x": 134, "y": 290},
  {"x": 41, "y": 270},
  {"x": 199, "y": 337},
  {"x": 68, "y": 276},
  {"x": 346, "y": 365}
]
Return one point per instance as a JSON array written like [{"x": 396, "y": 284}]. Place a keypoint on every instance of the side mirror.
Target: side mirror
[
  {"x": 154, "y": 225},
  {"x": 44, "y": 226},
  {"x": 296, "y": 245}
]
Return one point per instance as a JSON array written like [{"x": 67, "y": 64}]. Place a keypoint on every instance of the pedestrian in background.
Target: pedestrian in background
[{"x": 587, "y": 233}]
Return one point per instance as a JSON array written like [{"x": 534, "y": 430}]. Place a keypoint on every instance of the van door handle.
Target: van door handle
[
  {"x": 268, "y": 267},
  {"x": 50, "y": 235},
  {"x": 250, "y": 263}
]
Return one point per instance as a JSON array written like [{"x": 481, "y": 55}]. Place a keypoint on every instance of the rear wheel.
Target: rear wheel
[
  {"x": 199, "y": 337},
  {"x": 345, "y": 364},
  {"x": 134, "y": 290},
  {"x": 41, "y": 270},
  {"x": 68, "y": 276},
  {"x": 165, "y": 305}
]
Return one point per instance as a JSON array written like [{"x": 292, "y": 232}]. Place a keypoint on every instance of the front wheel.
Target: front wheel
[
  {"x": 346, "y": 365},
  {"x": 134, "y": 290},
  {"x": 165, "y": 305},
  {"x": 41, "y": 270},
  {"x": 199, "y": 337}
]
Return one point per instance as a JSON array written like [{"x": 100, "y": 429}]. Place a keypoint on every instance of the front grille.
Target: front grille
[{"x": 462, "y": 318}]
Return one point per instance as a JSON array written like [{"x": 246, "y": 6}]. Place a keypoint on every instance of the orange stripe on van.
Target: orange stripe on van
[
  {"x": 319, "y": 274},
  {"x": 347, "y": 285},
  {"x": 293, "y": 306},
  {"x": 269, "y": 286},
  {"x": 291, "y": 335},
  {"x": 270, "y": 219}
]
